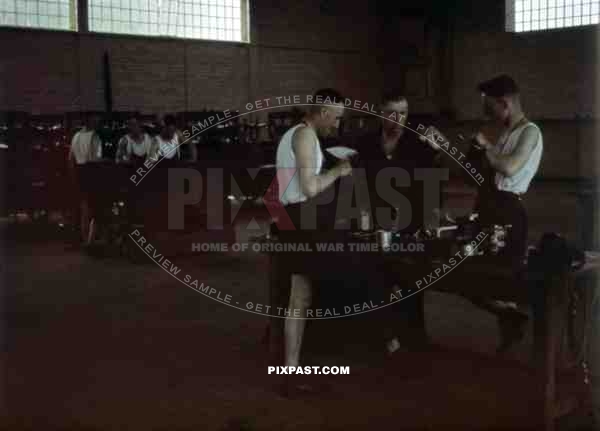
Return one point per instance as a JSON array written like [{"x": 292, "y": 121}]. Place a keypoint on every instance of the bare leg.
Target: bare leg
[{"x": 300, "y": 299}]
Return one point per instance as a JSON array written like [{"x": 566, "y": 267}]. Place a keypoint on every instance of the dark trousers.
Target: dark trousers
[
  {"x": 406, "y": 320},
  {"x": 504, "y": 208}
]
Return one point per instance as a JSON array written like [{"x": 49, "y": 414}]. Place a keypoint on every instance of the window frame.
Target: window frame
[
  {"x": 543, "y": 25},
  {"x": 181, "y": 29},
  {"x": 41, "y": 17},
  {"x": 80, "y": 22}
]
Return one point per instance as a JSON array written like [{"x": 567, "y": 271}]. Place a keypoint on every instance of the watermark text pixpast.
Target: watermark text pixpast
[{"x": 316, "y": 370}]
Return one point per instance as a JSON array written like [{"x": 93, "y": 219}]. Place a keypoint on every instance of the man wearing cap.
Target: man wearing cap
[{"x": 514, "y": 161}]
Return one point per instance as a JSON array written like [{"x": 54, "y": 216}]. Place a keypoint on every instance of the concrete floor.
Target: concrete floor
[{"x": 94, "y": 343}]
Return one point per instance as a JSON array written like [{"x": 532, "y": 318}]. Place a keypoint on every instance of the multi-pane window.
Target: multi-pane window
[
  {"x": 197, "y": 19},
  {"x": 532, "y": 15},
  {"x": 50, "y": 14}
]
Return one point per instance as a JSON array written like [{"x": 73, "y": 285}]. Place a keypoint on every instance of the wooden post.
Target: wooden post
[{"x": 548, "y": 319}]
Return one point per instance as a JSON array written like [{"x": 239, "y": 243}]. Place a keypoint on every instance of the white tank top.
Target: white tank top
[
  {"x": 519, "y": 183},
  {"x": 168, "y": 149},
  {"x": 287, "y": 173},
  {"x": 131, "y": 147},
  {"x": 86, "y": 147}
]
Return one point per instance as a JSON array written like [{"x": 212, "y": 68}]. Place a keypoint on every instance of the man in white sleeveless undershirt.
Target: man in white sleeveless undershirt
[
  {"x": 514, "y": 161},
  {"x": 301, "y": 179}
]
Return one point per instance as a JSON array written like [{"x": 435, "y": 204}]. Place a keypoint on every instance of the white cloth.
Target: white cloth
[
  {"x": 85, "y": 147},
  {"x": 519, "y": 182},
  {"x": 128, "y": 146},
  {"x": 167, "y": 149},
  {"x": 287, "y": 173}
]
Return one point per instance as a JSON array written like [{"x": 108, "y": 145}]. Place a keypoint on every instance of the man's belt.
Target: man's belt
[{"x": 518, "y": 196}]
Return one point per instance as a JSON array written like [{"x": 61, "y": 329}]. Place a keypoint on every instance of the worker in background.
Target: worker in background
[{"x": 86, "y": 147}]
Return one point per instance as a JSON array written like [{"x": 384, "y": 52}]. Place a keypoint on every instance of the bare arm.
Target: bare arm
[
  {"x": 303, "y": 144},
  {"x": 153, "y": 152},
  {"x": 509, "y": 164},
  {"x": 122, "y": 154},
  {"x": 180, "y": 141},
  {"x": 194, "y": 152},
  {"x": 434, "y": 139},
  {"x": 96, "y": 148},
  {"x": 71, "y": 159}
]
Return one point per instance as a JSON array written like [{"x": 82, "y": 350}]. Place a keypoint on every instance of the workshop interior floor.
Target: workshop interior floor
[{"x": 93, "y": 343}]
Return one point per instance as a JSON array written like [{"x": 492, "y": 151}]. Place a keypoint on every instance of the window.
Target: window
[
  {"x": 531, "y": 15},
  {"x": 49, "y": 14},
  {"x": 196, "y": 19}
]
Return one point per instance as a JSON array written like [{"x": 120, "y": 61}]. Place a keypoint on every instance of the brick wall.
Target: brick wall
[
  {"x": 295, "y": 49},
  {"x": 410, "y": 59},
  {"x": 144, "y": 76},
  {"x": 557, "y": 74},
  {"x": 39, "y": 71},
  {"x": 556, "y": 70},
  {"x": 326, "y": 25}
]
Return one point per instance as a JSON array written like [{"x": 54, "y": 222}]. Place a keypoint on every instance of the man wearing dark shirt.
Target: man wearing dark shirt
[{"x": 396, "y": 146}]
